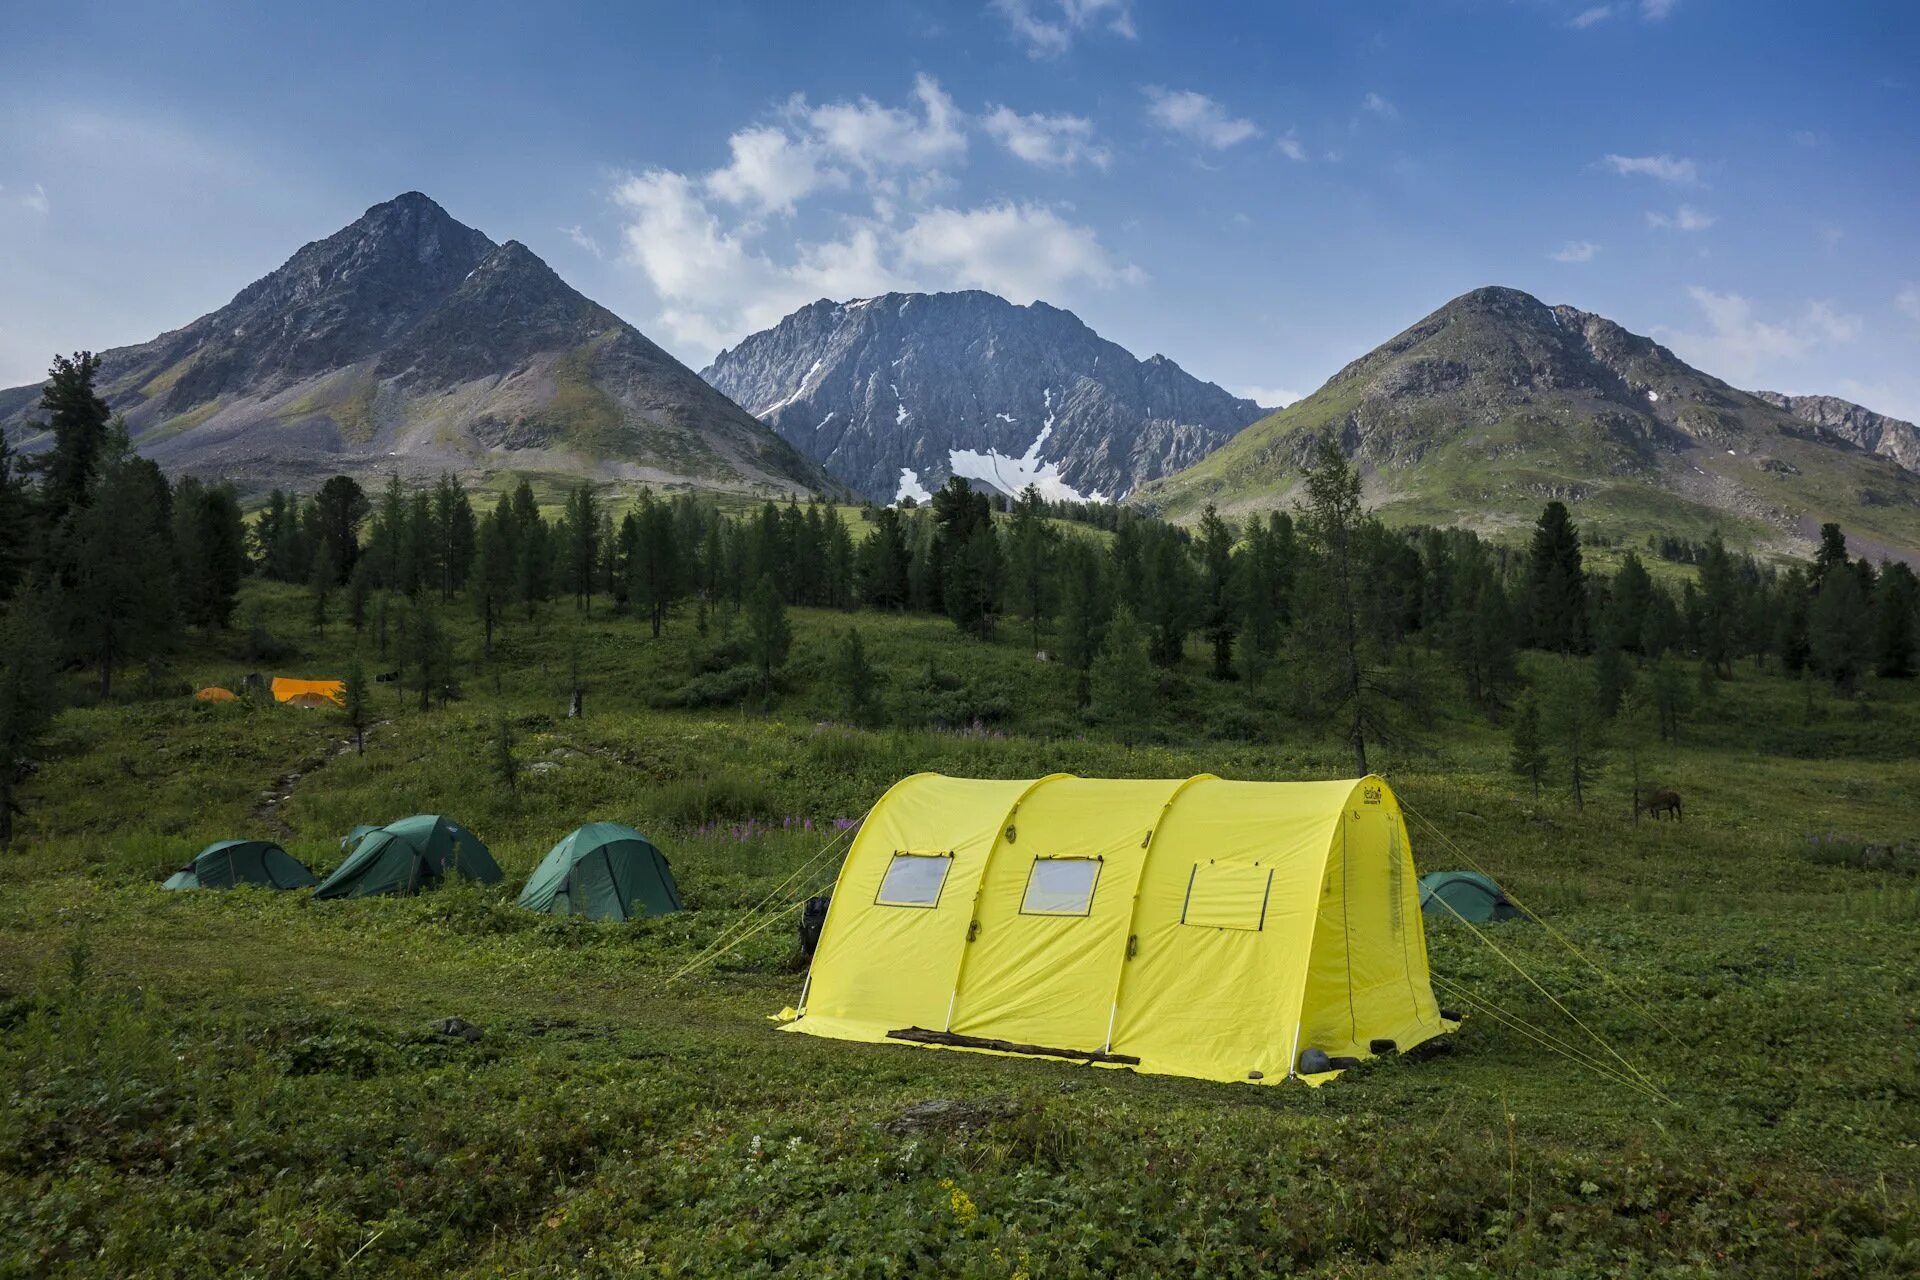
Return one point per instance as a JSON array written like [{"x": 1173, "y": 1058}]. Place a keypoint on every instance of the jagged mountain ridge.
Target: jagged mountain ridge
[
  {"x": 410, "y": 341},
  {"x": 1856, "y": 424},
  {"x": 1496, "y": 403},
  {"x": 895, "y": 393}
]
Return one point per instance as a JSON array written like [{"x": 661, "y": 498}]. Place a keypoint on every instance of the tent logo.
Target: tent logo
[{"x": 1370, "y": 794}]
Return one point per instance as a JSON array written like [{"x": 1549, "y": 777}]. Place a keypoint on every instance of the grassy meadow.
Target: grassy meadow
[{"x": 202, "y": 1084}]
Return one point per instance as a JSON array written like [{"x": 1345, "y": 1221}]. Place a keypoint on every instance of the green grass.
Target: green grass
[{"x": 245, "y": 1083}]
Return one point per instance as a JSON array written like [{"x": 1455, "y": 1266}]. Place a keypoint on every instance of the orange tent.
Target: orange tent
[
  {"x": 307, "y": 693},
  {"x": 214, "y": 693}
]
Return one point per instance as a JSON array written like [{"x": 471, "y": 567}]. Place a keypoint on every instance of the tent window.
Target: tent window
[
  {"x": 1061, "y": 887},
  {"x": 1223, "y": 896},
  {"x": 914, "y": 880}
]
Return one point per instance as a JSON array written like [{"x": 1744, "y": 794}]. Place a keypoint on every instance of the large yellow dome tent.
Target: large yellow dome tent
[
  {"x": 1205, "y": 928},
  {"x": 309, "y": 693}
]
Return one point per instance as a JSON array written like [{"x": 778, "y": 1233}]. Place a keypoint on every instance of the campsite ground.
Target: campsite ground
[{"x": 228, "y": 1083}]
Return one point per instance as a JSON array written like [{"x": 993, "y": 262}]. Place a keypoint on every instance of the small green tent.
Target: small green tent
[
  {"x": 1472, "y": 897},
  {"x": 405, "y": 857},
  {"x": 603, "y": 871},
  {"x": 226, "y": 863}
]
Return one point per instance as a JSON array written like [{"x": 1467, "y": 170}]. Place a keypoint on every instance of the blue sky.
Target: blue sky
[{"x": 1260, "y": 191}]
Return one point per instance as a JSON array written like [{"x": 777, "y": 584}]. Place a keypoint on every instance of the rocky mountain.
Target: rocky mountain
[
  {"x": 410, "y": 341},
  {"x": 894, "y": 394},
  {"x": 1496, "y": 403},
  {"x": 1857, "y": 425}
]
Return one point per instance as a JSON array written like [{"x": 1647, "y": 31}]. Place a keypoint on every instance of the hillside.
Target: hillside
[
  {"x": 1496, "y": 403},
  {"x": 408, "y": 340},
  {"x": 894, "y": 394}
]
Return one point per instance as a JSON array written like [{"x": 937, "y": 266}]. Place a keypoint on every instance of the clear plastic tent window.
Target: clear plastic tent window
[
  {"x": 1061, "y": 887},
  {"x": 914, "y": 880}
]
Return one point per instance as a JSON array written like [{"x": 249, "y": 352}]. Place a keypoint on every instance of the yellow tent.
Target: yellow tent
[
  {"x": 306, "y": 692},
  {"x": 1198, "y": 928},
  {"x": 214, "y": 693}
]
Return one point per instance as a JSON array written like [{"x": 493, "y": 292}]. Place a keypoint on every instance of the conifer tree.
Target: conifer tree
[
  {"x": 1085, "y": 606},
  {"x": 359, "y": 592},
  {"x": 339, "y": 508},
  {"x": 114, "y": 605},
  {"x": 1032, "y": 544},
  {"x": 1573, "y": 726},
  {"x": 1219, "y": 614},
  {"x": 320, "y": 584},
  {"x": 1896, "y": 616},
  {"x": 856, "y": 679},
  {"x": 882, "y": 562},
  {"x": 78, "y": 420},
  {"x": 26, "y": 700},
  {"x": 580, "y": 530},
  {"x": 358, "y": 702},
  {"x": 1556, "y": 583},
  {"x": 654, "y": 574},
  {"x": 1840, "y": 629},
  {"x": 1528, "y": 757},
  {"x": 16, "y": 522},
  {"x": 1122, "y": 681},
  {"x": 769, "y": 635},
  {"x": 492, "y": 577}
]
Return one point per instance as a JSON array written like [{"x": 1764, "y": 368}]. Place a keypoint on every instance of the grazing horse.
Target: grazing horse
[{"x": 1659, "y": 802}]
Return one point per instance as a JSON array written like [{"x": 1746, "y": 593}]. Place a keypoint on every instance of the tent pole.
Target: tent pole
[
  {"x": 1112, "y": 1016},
  {"x": 1293, "y": 1063}
]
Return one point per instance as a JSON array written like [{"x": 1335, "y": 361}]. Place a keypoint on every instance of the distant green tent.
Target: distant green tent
[
  {"x": 603, "y": 871},
  {"x": 224, "y": 864},
  {"x": 407, "y": 856},
  {"x": 1472, "y": 896}
]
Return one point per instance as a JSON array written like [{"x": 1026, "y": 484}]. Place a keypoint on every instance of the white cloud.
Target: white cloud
[
  {"x": 1806, "y": 138},
  {"x": 1908, "y": 301},
  {"x": 583, "y": 239},
  {"x": 1656, "y": 10},
  {"x": 1685, "y": 218},
  {"x": 1740, "y": 346},
  {"x": 1052, "y": 35},
  {"x": 1576, "y": 251},
  {"x": 770, "y": 170},
  {"x": 1020, "y": 251},
  {"x": 874, "y": 138},
  {"x": 1666, "y": 168},
  {"x": 1197, "y": 117},
  {"x": 1268, "y": 397},
  {"x": 1588, "y": 17},
  {"x": 1379, "y": 106},
  {"x": 1288, "y": 144},
  {"x": 1055, "y": 142},
  {"x": 34, "y": 199}
]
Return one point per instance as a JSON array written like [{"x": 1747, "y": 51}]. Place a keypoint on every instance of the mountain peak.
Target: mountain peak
[
  {"x": 895, "y": 393},
  {"x": 408, "y": 338}
]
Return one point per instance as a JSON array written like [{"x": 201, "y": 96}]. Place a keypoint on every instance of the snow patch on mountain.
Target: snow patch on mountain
[
  {"x": 910, "y": 487},
  {"x": 1011, "y": 475}
]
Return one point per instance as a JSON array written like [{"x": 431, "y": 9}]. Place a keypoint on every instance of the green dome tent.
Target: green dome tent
[
  {"x": 603, "y": 871},
  {"x": 405, "y": 857},
  {"x": 227, "y": 863},
  {"x": 1472, "y": 896}
]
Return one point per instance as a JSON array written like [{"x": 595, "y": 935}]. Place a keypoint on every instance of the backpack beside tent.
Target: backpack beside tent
[
  {"x": 603, "y": 871},
  {"x": 407, "y": 856},
  {"x": 227, "y": 863},
  {"x": 1470, "y": 895}
]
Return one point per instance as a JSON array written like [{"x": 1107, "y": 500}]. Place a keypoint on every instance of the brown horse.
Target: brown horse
[{"x": 1657, "y": 803}]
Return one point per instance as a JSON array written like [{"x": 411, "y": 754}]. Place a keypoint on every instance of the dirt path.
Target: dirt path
[{"x": 267, "y": 810}]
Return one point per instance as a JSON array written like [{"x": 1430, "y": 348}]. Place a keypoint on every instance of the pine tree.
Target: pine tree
[
  {"x": 339, "y": 507},
  {"x": 1556, "y": 583},
  {"x": 16, "y": 522},
  {"x": 428, "y": 653},
  {"x": 580, "y": 529},
  {"x": 1219, "y": 615},
  {"x": 1840, "y": 630},
  {"x": 1032, "y": 545},
  {"x": 1167, "y": 590},
  {"x": 78, "y": 420},
  {"x": 1668, "y": 695},
  {"x": 1342, "y": 678},
  {"x": 1719, "y": 607},
  {"x": 1085, "y": 606},
  {"x": 320, "y": 584},
  {"x": 359, "y": 708},
  {"x": 1831, "y": 555},
  {"x": 1527, "y": 756},
  {"x": 654, "y": 575},
  {"x": 1612, "y": 679},
  {"x": 1896, "y": 608},
  {"x": 1122, "y": 681},
  {"x": 1573, "y": 726},
  {"x": 491, "y": 580},
  {"x": 26, "y": 700},
  {"x": 972, "y": 590},
  {"x": 114, "y": 606},
  {"x": 359, "y": 592},
  {"x": 856, "y": 679},
  {"x": 769, "y": 634}
]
